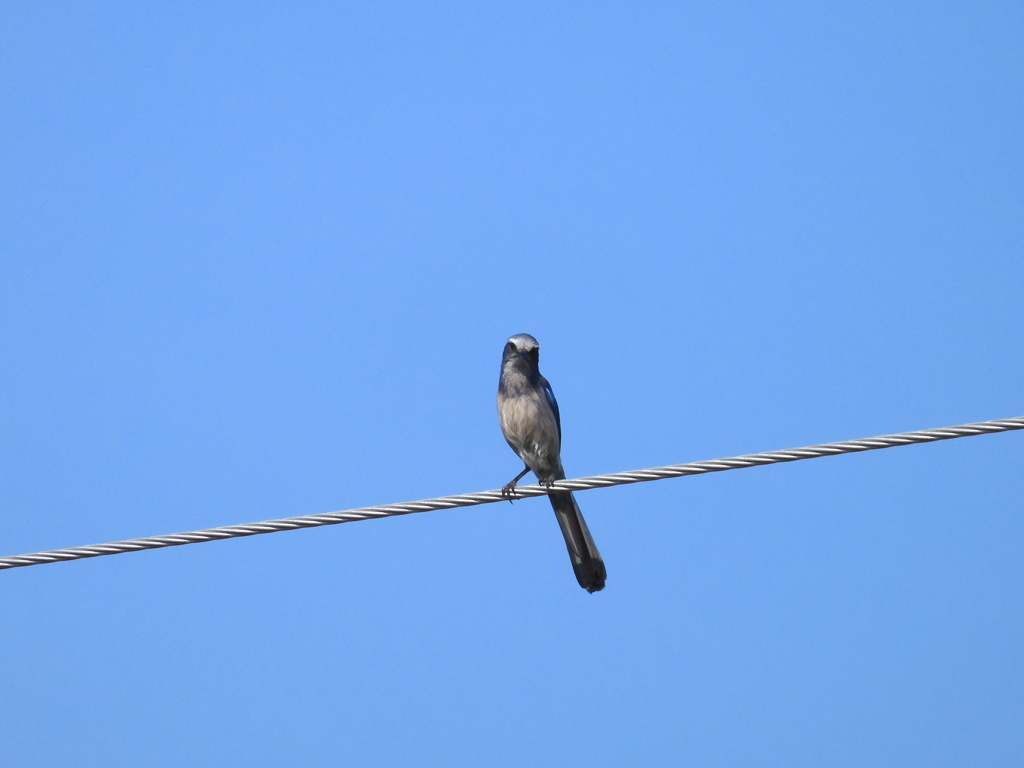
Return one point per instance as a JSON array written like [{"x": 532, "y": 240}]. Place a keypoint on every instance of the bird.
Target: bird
[{"x": 528, "y": 414}]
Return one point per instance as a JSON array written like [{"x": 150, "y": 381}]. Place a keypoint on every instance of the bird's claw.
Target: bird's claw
[{"x": 508, "y": 491}]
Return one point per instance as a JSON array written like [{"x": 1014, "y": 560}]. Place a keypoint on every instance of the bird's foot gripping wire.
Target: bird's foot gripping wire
[
  {"x": 508, "y": 490},
  {"x": 547, "y": 480}
]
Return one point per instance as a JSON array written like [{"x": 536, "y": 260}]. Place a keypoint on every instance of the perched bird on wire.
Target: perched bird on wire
[{"x": 529, "y": 420}]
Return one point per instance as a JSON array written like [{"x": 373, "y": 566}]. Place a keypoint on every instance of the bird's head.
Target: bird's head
[{"x": 521, "y": 351}]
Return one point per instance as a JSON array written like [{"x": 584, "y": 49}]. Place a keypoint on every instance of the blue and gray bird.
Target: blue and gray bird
[{"x": 531, "y": 425}]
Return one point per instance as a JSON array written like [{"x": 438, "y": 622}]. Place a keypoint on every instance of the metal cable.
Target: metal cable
[{"x": 489, "y": 497}]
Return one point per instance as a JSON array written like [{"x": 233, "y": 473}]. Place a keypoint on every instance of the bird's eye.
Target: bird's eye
[{"x": 510, "y": 347}]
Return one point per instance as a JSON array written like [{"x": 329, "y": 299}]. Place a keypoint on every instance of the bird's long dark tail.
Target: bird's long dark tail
[{"x": 586, "y": 560}]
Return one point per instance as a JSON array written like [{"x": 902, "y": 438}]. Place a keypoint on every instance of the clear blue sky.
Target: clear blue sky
[{"x": 260, "y": 260}]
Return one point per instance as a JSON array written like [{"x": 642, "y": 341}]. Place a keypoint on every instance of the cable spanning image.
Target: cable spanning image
[{"x": 498, "y": 494}]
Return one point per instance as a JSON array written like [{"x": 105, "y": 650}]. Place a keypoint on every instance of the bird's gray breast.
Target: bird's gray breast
[{"x": 529, "y": 426}]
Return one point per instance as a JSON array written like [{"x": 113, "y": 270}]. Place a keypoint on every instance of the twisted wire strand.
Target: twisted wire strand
[{"x": 489, "y": 497}]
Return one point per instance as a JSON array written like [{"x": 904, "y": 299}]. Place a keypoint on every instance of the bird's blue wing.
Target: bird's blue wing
[{"x": 550, "y": 396}]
